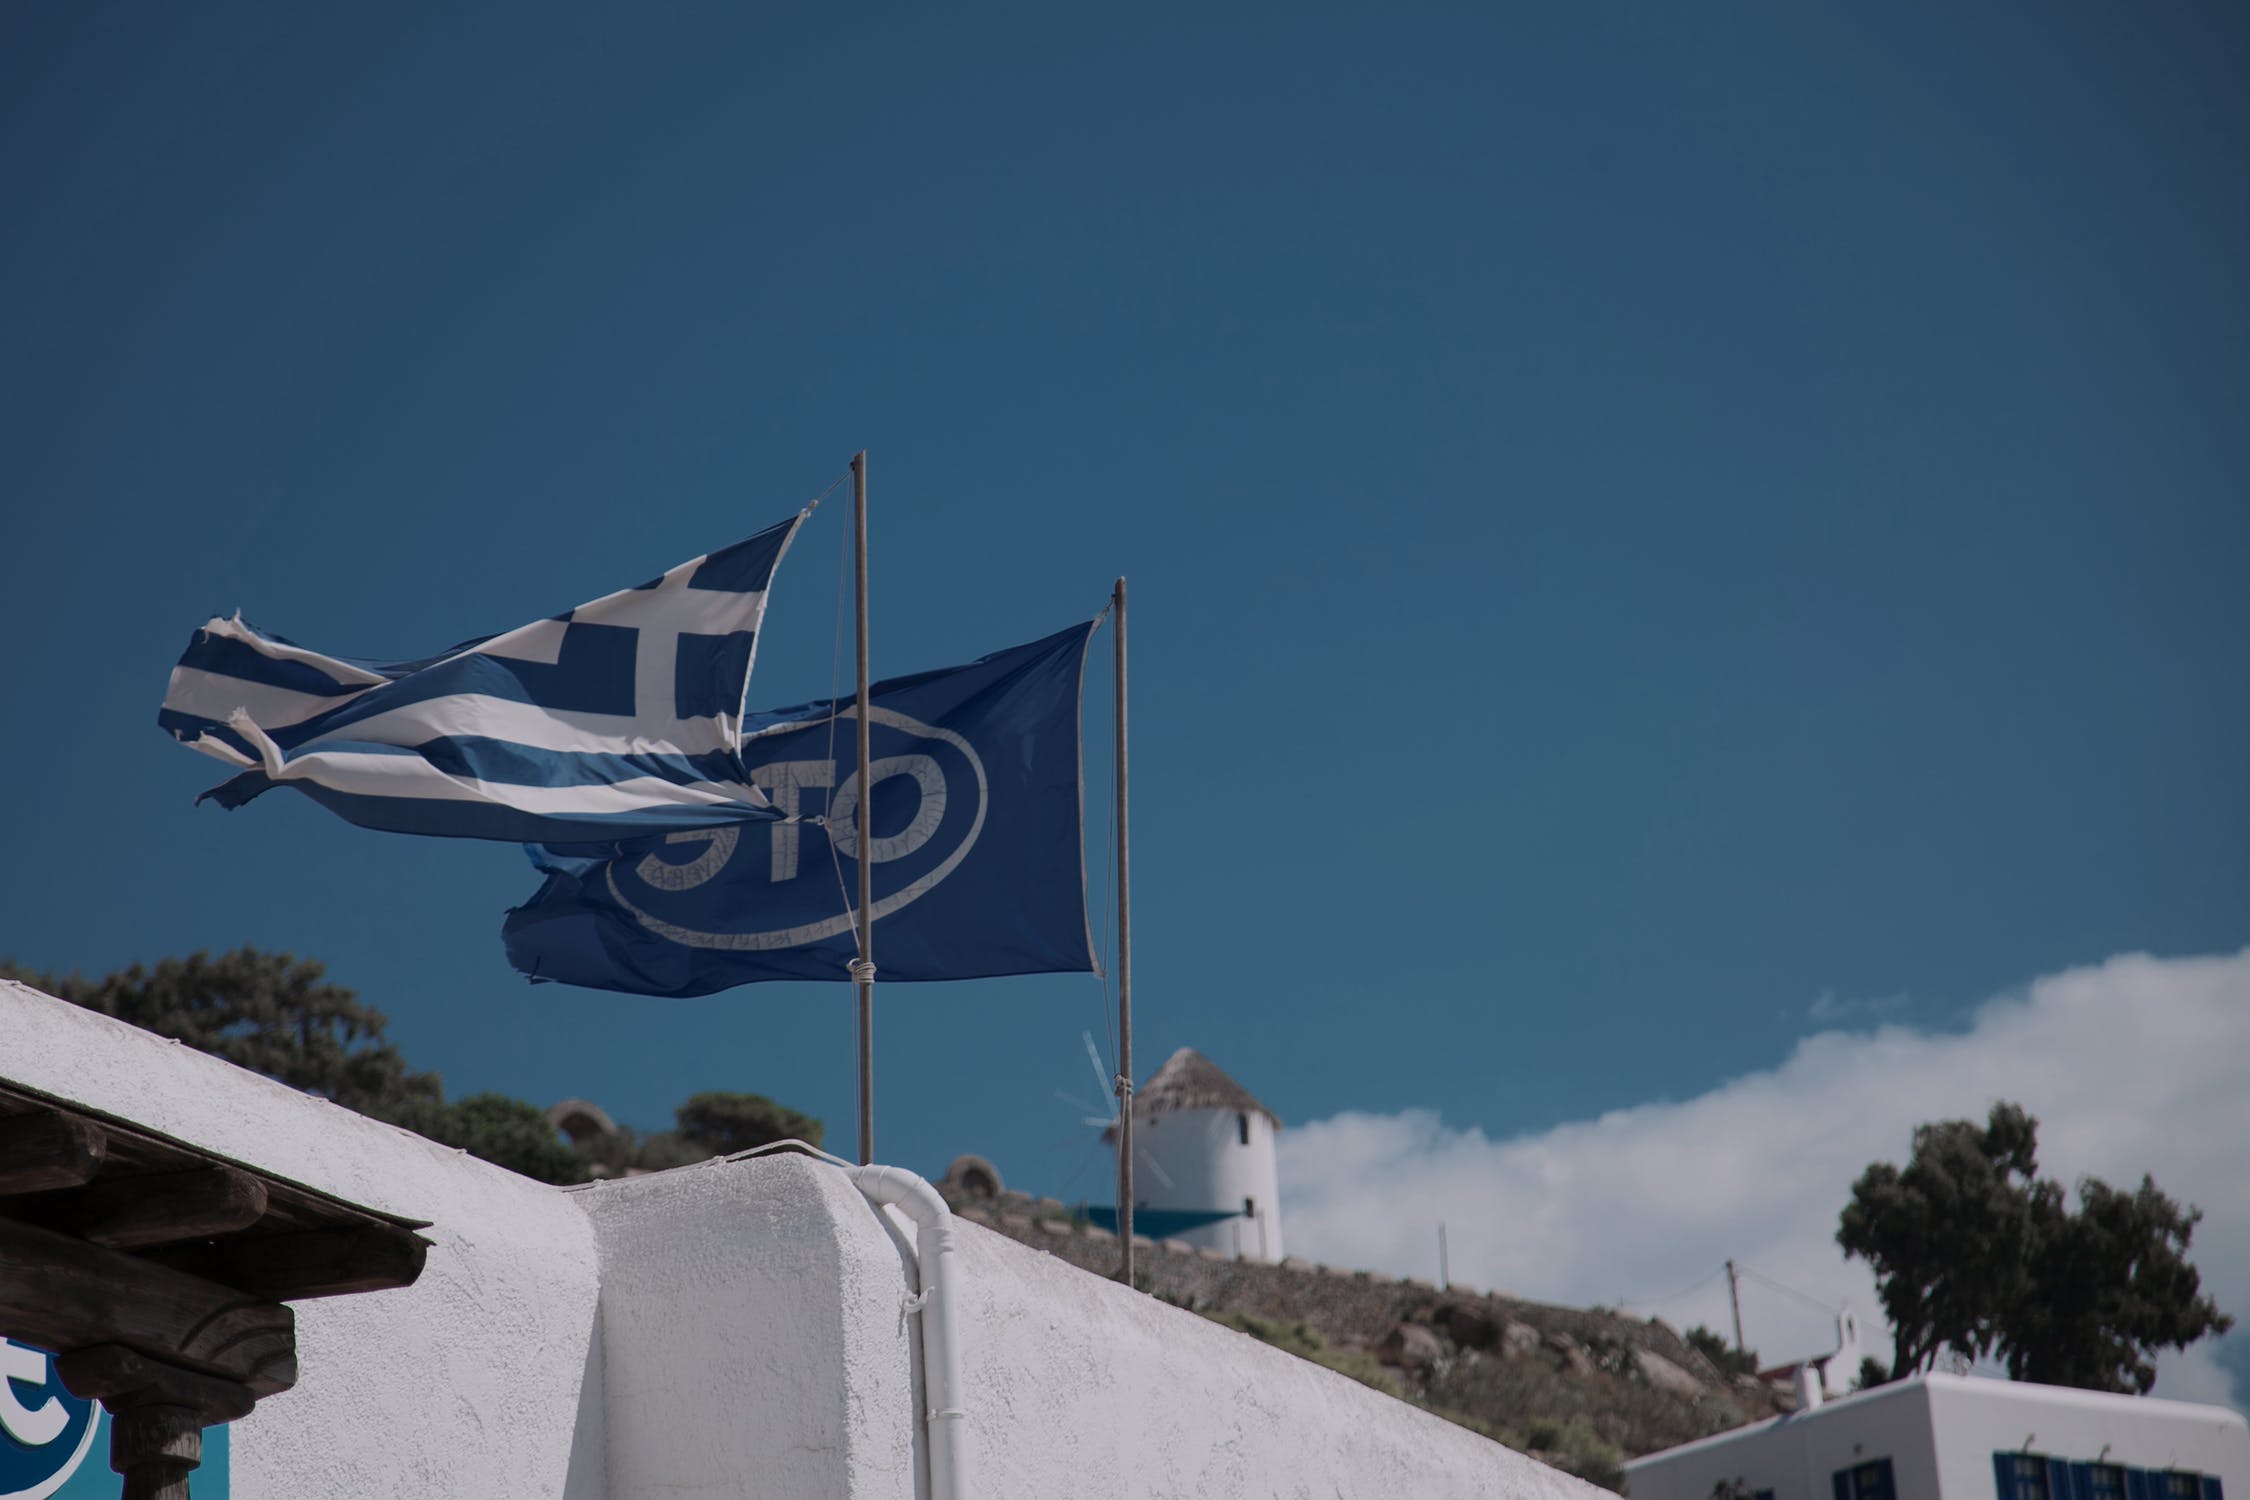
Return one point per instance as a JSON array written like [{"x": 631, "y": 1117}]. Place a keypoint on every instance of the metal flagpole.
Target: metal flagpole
[
  {"x": 864, "y": 970},
  {"x": 1124, "y": 972}
]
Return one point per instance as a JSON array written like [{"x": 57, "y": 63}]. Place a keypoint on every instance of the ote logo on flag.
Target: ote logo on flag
[
  {"x": 975, "y": 856},
  {"x": 927, "y": 810}
]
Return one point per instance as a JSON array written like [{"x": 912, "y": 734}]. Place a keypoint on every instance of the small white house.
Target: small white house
[
  {"x": 1202, "y": 1146},
  {"x": 1834, "y": 1371},
  {"x": 1954, "y": 1437}
]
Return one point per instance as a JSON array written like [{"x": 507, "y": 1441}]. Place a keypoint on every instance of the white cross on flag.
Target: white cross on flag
[{"x": 620, "y": 719}]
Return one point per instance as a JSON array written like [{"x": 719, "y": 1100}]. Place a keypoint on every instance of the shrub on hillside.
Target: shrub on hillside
[{"x": 1724, "y": 1357}]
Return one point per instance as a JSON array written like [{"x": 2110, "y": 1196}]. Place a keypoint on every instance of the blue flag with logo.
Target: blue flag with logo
[{"x": 978, "y": 847}]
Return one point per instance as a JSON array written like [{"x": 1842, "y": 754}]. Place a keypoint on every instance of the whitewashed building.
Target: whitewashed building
[
  {"x": 755, "y": 1327},
  {"x": 1954, "y": 1437},
  {"x": 1203, "y": 1160}
]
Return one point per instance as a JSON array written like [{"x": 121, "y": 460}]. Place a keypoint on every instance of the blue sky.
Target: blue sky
[{"x": 1640, "y": 519}]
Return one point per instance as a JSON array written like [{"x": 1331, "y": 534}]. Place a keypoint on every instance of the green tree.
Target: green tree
[
  {"x": 1946, "y": 1236},
  {"x": 1973, "y": 1251},
  {"x": 2113, "y": 1285},
  {"x": 1723, "y": 1355},
  {"x": 709, "y": 1124},
  {"x": 627, "y": 1150},
  {"x": 277, "y": 1014},
  {"x": 272, "y": 1013},
  {"x": 506, "y": 1132},
  {"x": 726, "y": 1123}
]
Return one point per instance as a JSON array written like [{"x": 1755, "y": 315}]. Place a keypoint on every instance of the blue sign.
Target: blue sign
[{"x": 55, "y": 1446}]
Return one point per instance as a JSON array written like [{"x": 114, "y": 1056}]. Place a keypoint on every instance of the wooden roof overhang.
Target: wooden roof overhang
[{"x": 157, "y": 1272}]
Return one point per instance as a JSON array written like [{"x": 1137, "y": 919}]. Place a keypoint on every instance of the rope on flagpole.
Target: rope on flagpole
[
  {"x": 814, "y": 503},
  {"x": 1102, "y": 959}
]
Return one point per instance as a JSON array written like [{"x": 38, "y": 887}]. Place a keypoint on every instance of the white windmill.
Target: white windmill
[
  {"x": 1142, "y": 1160},
  {"x": 1208, "y": 1149}
]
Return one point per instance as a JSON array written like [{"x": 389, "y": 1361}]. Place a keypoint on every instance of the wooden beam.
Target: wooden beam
[
  {"x": 313, "y": 1263},
  {"x": 120, "y": 1377},
  {"x": 65, "y": 1294},
  {"x": 160, "y": 1208},
  {"x": 46, "y": 1149}
]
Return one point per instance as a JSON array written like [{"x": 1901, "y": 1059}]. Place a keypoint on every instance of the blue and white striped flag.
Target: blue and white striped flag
[{"x": 620, "y": 719}]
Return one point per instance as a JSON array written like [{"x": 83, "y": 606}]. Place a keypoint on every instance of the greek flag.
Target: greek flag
[
  {"x": 619, "y": 719},
  {"x": 977, "y": 842}
]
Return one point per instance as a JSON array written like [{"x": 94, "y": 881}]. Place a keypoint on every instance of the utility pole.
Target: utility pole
[{"x": 1734, "y": 1295}]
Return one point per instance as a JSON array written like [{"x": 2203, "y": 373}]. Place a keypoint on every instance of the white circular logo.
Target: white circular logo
[
  {"x": 807, "y": 899},
  {"x": 45, "y": 1431}
]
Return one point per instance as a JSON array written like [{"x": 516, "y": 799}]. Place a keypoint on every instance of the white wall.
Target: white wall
[
  {"x": 753, "y": 1344},
  {"x": 752, "y": 1339},
  {"x": 1080, "y": 1387},
  {"x": 1202, "y": 1153},
  {"x": 465, "y": 1384},
  {"x": 1974, "y": 1419},
  {"x": 1940, "y": 1432},
  {"x": 749, "y": 1337},
  {"x": 1795, "y": 1456}
]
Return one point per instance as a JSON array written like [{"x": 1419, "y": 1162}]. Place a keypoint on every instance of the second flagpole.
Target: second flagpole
[
  {"x": 864, "y": 970},
  {"x": 1124, "y": 973}
]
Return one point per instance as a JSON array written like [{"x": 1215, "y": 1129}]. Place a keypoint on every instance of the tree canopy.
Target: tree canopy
[
  {"x": 506, "y": 1132},
  {"x": 1724, "y": 1357},
  {"x": 277, "y": 1014},
  {"x": 709, "y": 1124},
  {"x": 272, "y": 1013},
  {"x": 2111, "y": 1285},
  {"x": 1974, "y": 1252},
  {"x": 728, "y": 1123}
]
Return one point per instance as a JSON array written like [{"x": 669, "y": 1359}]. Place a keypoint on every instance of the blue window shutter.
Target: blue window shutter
[
  {"x": 1844, "y": 1485},
  {"x": 2004, "y": 1475},
  {"x": 2058, "y": 1480},
  {"x": 2211, "y": 1488},
  {"x": 2082, "y": 1482},
  {"x": 2137, "y": 1486}
]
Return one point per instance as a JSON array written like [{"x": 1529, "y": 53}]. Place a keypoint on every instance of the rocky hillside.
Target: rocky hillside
[{"x": 1582, "y": 1388}]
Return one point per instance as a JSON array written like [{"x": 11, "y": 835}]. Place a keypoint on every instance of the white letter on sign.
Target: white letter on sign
[
  {"x": 34, "y": 1427},
  {"x": 780, "y": 782},
  {"x": 843, "y": 809}
]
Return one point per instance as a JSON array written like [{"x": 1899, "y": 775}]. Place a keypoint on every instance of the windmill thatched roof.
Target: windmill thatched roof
[{"x": 1189, "y": 1080}]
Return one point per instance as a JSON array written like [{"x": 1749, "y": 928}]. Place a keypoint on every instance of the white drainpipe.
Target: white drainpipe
[{"x": 947, "y": 1422}]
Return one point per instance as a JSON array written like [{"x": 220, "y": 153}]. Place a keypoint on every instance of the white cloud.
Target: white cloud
[{"x": 2135, "y": 1065}]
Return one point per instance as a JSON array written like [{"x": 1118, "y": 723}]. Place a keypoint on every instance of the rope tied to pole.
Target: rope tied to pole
[{"x": 863, "y": 970}]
